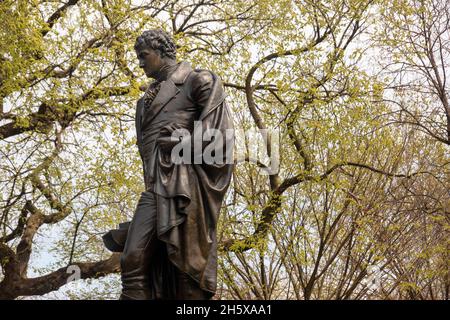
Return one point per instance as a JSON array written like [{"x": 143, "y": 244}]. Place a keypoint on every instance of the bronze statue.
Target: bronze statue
[{"x": 170, "y": 247}]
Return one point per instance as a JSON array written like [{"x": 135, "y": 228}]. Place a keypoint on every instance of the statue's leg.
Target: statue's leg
[
  {"x": 188, "y": 289},
  {"x": 139, "y": 250}
]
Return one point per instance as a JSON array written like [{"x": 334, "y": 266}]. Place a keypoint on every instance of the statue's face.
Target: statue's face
[{"x": 149, "y": 60}]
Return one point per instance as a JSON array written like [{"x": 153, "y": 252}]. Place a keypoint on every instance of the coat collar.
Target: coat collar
[
  {"x": 181, "y": 73},
  {"x": 167, "y": 91}
]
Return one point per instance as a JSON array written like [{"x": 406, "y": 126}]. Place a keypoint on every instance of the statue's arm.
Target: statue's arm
[
  {"x": 202, "y": 84},
  {"x": 200, "y": 91}
]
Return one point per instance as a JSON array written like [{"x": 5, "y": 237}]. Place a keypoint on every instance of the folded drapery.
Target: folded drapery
[{"x": 114, "y": 240}]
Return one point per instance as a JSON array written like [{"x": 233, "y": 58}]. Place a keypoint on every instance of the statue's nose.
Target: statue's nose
[{"x": 141, "y": 64}]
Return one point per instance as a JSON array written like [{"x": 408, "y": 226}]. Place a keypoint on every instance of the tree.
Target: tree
[
  {"x": 69, "y": 84},
  {"x": 323, "y": 223},
  {"x": 416, "y": 42}
]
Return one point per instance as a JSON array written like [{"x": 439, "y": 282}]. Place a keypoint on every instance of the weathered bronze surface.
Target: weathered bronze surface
[{"x": 170, "y": 247}]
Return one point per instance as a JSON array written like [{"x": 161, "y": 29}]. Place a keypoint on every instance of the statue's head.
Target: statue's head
[{"x": 154, "y": 48}]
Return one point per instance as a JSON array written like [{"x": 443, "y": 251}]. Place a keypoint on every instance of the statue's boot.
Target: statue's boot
[{"x": 136, "y": 294}]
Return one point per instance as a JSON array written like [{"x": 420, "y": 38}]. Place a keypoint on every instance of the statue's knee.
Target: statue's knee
[{"x": 130, "y": 259}]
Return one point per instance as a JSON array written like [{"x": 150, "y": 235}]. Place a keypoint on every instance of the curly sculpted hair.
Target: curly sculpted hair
[{"x": 157, "y": 39}]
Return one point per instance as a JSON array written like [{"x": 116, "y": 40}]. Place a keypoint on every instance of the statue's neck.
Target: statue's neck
[{"x": 166, "y": 70}]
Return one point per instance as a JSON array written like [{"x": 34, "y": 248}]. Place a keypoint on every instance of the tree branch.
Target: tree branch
[
  {"x": 56, "y": 15},
  {"x": 56, "y": 279},
  {"x": 273, "y": 205}
]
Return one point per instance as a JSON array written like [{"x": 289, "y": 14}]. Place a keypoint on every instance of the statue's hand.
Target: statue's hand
[
  {"x": 167, "y": 138},
  {"x": 167, "y": 143}
]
